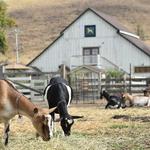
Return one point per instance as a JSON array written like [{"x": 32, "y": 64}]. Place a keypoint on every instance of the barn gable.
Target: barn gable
[{"x": 110, "y": 41}]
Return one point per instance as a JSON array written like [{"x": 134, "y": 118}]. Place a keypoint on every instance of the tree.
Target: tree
[
  {"x": 114, "y": 73},
  {"x": 5, "y": 23}
]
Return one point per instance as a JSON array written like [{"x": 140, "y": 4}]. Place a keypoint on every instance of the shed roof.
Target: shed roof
[
  {"x": 113, "y": 22},
  {"x": 16, "y": 66},
  {"x": 91, "y": 68}
]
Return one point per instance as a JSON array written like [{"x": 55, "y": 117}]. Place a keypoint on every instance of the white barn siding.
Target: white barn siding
[
  {"x": 75, "y": 35},
  {"x": 68, "y": 48},
  {"x": 72, "y": 42},
  {"x": 50, "y": 59},
  {"x": 123, "y": 53},
  {"x": 76, "y": 31}
]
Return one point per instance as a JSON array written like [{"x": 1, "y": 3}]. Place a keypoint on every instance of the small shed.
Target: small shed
[
  {"x": 86, "y": 83},
  {"x": 28, "y": 80},
  {"x": 17, "y": 68}
]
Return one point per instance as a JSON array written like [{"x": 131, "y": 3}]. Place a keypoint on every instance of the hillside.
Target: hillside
[{"x": 40, "y": 22}]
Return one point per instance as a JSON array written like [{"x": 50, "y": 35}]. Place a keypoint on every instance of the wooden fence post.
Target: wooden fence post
[{"x": 130, "y": 81}]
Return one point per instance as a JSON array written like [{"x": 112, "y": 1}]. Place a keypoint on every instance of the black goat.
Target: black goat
[
  {"x": 113, "y": 100},
  {"x": 59, "y": 94}
]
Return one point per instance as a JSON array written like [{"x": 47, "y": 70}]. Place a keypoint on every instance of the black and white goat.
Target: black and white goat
[
  {"x": 59, "y": 94},
  {"x": 113, "y": 101}
]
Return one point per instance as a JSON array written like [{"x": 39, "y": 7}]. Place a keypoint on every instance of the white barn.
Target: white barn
[{"x": 95, "y": 39}]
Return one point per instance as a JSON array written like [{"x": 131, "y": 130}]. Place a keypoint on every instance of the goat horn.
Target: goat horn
[
  {"x": 46, "y": 110},
  {"x": 52, "y": 109}
]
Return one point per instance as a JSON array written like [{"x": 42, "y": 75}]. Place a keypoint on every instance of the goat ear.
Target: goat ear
[{"x": 35, "y": 110}]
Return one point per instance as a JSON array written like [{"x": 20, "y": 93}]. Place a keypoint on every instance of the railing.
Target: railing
[
  {"x": 84, "y": 60},
  {"x": 26, "y": 81},
  {"x": 31, "y": 88},
  {"x": 90, "y": 60},
  {"x": 88, "y": 89}
]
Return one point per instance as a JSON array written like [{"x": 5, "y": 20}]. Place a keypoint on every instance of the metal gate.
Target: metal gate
[{"x": 85, "y": 87}]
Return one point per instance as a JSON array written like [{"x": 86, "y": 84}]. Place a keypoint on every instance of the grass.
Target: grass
[{"x": 96, "y": 131}]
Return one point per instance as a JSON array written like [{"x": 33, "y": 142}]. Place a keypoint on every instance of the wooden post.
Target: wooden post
[
  {"x": 99, "y": 83},
  {"x": 64, "y": 71},
  {"x": 130, "y": 81},
  {"x": 1, "y": 72}
]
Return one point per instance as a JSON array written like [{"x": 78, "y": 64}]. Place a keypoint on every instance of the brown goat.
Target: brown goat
[
  {"x": 14, "y": 103},
  {"x": 137, "y": 100}
]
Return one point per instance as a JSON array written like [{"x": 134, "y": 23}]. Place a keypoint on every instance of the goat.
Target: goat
[
  {"x": 112, "y": 100},
  {"x": 137, "y": 100},
  {"x": 147, "y": 91},
  {"x": 59, "y": 94},
  {"x": 13, "y": 103}
]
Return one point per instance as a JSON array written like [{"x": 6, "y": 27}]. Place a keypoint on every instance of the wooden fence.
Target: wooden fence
[
  {"x": 85, "y": 90},
  {"x": 133, "y": 85},
  {"x": 88, "y": 89},
  {"x": 31, "y": 88}
]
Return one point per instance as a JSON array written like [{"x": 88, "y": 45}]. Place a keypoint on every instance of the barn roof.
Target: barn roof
[{"x": 126, "y": 34}]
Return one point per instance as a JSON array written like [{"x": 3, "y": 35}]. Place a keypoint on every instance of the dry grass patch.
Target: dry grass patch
[
  {"x": 41, "y": 22},
  {"x": 96, "y": 131}
]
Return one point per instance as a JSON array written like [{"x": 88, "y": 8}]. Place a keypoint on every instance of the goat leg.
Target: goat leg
[{"x": 6, "y": 131}]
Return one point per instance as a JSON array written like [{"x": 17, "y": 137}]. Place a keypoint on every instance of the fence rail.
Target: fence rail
[
  {"x": 31, "y": 88},
  {"x": 88, "y": 89},
  {"x": 134, "y": 85},
  {"x": 85, "y": 89}
]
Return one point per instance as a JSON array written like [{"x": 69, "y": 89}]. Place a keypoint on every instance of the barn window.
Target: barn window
[
  {"x": 90, "y": 31},
  {"x": 143, "y": 69},
  {"x": 90, "y": 55}
]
